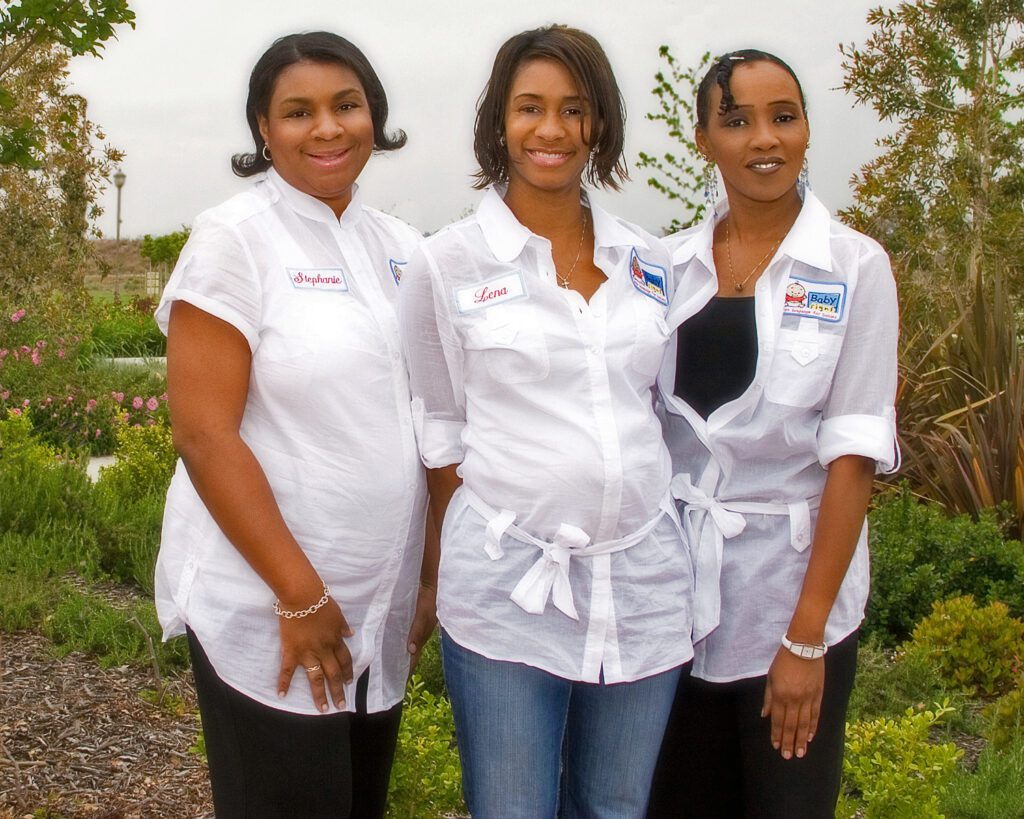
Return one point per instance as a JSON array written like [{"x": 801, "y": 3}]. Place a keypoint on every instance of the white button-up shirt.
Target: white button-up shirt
[
  {"x": 561, "y": 550},
  {"x": 752, "y": 474},
  {"x": 327, "y": 417}
]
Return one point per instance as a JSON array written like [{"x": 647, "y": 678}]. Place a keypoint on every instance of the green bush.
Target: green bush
[
  {"x": 993, "y": 790},
  {"x": 128, "y": 330},
  {"x": 891, "y": 771},
  {"x": 1005, "y": 718},
  {"x": 920, "y": 555},
  {"x": 426, "y": 780},
  {"x": 977, "y": 649},
  {"x": 429, "y": 669},
  {"x": 144, "y": 464}
]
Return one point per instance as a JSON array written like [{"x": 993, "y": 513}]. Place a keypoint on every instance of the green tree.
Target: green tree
[
  {"x": 678, "y": 174},
  {"x": 944, "y": 196},
  {"x": 163, "y": 251},
  {"x": 30, "y": 27}
]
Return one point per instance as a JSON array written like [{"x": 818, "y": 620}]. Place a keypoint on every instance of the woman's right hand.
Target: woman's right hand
[{"x": 316, "y": 645}]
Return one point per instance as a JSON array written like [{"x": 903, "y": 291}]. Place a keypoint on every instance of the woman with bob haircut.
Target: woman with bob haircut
[
  {"x": 293, "y": 531},
  {"x": 534, "y": 332},
  {"x": 778, "y": 390}
]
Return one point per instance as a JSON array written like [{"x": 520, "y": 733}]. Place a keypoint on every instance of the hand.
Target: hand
[
  {"x": 423, "y": 622},
  {"x": 316, "y": 642},
  {"x": 792, "y": 698}
]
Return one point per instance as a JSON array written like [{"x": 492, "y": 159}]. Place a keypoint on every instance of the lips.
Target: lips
[
  {"x": 766, "y": 164},
  {"x": 548, "y": 158},
  {"x": 329, "y": 159}
]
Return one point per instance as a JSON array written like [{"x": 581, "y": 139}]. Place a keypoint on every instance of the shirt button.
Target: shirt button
[
  {"x": 396, "y": 356},
  {"x": 594, "y": 350},
  {"x": 757, "y": 388}
]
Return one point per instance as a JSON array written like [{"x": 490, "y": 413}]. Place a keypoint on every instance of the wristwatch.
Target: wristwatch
[{"x": 805, "y": 651}]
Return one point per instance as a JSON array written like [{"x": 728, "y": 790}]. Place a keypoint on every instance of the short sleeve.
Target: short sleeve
[
  {"x": 858, "y": 417},
  {"x": 215, "y": 273},
  {"x": 434, "y": 358}
]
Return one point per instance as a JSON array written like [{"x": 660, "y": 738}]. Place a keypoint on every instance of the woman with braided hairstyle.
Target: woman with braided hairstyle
[{"x": 778, "y": 393}]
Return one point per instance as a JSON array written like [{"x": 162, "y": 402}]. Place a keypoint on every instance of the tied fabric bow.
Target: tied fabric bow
[{"x": 707, "y": 601}]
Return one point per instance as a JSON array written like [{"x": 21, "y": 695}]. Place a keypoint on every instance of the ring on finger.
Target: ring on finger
[{"x": 310, "y": 669}]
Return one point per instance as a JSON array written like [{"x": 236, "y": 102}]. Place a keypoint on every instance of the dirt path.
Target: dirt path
[{"x": 80, "y": 740}]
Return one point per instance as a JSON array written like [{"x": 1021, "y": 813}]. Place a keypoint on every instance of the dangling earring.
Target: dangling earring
[
  {"x": 501, "y": 141},
  {"x": 710, "y": 186},
  {"x": 803, "y": 184},
  {"x": 265, "y": 153}
]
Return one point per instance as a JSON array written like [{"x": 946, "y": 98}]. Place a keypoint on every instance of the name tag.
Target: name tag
[
  {"x": 648, "y": 278},
  {"x": 498, "y": 290},
  {"x": 317, "y": 278},
  {"x": 824, "y": 301},
  {"x": 396, "y": 269}
]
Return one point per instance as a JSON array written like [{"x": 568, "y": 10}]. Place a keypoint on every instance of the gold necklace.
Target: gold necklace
[
  {"x": 728, "y": 253},
  {"x": 563, "y": 281}
]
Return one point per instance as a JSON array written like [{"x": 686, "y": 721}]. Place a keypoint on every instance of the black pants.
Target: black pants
[
  {"x": 265, "y": 762},
  {"x": 717, "y": 759}
]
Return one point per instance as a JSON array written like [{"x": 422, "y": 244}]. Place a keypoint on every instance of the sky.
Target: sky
[{"x": 171, "y": 92}]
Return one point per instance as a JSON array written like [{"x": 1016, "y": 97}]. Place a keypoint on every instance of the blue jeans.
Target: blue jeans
[{"x": 537, "y": 746}]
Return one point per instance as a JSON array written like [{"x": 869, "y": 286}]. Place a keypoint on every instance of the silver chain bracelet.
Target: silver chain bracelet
[{"x": 293, "y": 615}]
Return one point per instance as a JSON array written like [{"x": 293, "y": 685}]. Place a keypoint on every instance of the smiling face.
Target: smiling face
[
  {"x": 547, "y": 128},
  {"x": 759, "y": 145},
  {"x": 319, "y": 130}
]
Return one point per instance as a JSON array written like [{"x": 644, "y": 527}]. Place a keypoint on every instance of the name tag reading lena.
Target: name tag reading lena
[
  {"x": 489, "y": 293},
  {"x": 318, "y": 278}
]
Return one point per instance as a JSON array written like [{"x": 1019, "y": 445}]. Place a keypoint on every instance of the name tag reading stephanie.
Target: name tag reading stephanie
[
  {"x": 318, "y": 278},
  {"x": 489, "y": 293}
]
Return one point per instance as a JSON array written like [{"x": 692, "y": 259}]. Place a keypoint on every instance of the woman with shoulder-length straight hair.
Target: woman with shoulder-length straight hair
[
  {"x": 294, "y": 524},
  {"x": 534, "y": 331},
  {"x": 778, "y": 390}
]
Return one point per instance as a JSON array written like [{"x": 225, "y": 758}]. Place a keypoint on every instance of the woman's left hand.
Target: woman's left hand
[
  {"x": 423, "y": 622},
  {"x": 792, "y": 698}
]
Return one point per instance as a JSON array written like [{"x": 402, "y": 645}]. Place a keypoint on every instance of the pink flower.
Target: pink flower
[
  {"x": 90, "y": 405},
  {"x": 98, "y": 433},
  {"x": 163, "y": 397},
  {"x": 117, "y": 396},
  {"x": 25, "y": 348},
  {"x": 41, "y": 344},
  {"x": 152, "y": 404},
  {"x": 26, "y": 402},
  {"x": 36, "y": 358},
  {"x": 3, "y": 353},
  {"x": 137, "y": 402},
  {"x": 60, "y": 353},
  {"x": 15, "y": 411},
  {"x": 5, "y": 395},
  {"x": 70, "y": 398},
  {"x": 17, "y": 316}
]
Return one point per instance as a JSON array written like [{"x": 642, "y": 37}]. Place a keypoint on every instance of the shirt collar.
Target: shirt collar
[
  {"x": 807, "y": 241},
  {"x": 506, "y": 236},
  {"x": 313, "y": 208}
]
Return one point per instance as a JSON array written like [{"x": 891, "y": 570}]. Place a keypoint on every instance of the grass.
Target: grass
[{"x": 994, "y": 790}]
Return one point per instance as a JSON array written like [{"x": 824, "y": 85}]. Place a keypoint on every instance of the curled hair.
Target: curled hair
[
  {"x": 720, "y": 74},
  {"x": 314, "y": 47},
  {"x": 587, "y": 64}
]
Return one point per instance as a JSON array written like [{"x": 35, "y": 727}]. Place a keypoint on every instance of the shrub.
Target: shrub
[
  {"x": 1005, "y": 718},
  {"x": 977, "y": 649},
  {"x": 426, "y": 780},
  {"x": 919, "y": 555},
  {"x": 145, "y": 460},
  {"x": 128, "y": 330},
  {"x": 891, "y": 771}
]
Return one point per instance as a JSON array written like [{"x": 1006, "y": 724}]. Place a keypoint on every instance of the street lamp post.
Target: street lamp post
[{"x": 119, "y": 178}]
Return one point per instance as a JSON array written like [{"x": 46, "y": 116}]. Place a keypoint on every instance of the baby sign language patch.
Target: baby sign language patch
[
  {"x": 648, "y": 278},
  {"x": 396, "y": 269},
  {"x": 489, "y": 293},
  {"x": 318, "y": 278},
  {"x": 821, "y": 300}
]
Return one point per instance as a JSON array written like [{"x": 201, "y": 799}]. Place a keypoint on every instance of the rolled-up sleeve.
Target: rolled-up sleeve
[
  {"x": 858, "y": 417},
  {"x": 216, "y": 273},
  {"x": 435, "y": 363}
]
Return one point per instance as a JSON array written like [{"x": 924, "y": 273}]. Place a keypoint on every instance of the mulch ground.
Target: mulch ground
[{"x": 80, "y": 740}]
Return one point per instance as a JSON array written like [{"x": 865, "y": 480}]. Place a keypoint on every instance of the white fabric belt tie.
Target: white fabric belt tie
[
  {"x": 549, "y": 576},
  {"x": 707, "y": 542}
]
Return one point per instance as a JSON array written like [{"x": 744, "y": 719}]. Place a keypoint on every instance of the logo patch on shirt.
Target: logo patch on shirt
[
  {"x": 318, "y": 278},
  {"x": 396, "y": 269},
  {"x": 648, "y": 278},
  {"x": 821, "y": 300},
  {"x": 487, "y": 294}
]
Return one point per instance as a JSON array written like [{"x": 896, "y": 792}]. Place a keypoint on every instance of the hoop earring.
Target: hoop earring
[
  {"x": 803, "y": 183},
  {"x": 710, "y": 186},
  {"x": 265, "y": 153}
]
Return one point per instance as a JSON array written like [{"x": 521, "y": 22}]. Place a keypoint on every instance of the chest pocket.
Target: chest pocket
[
  {"x": 511, "y": 341},
  {"x": 803, "y": 367},
  {"x": 652, "y": 333}
]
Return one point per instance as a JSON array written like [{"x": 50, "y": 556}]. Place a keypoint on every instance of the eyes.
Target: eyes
[
  {"x": 736, "y": 119},
  {"x": 301, "y": 112},
  {"x": 569, "y": 111}
]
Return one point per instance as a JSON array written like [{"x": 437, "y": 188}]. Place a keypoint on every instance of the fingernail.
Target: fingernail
[
  {"x": 763, "y": 714},
  {"x": 280, "y": 695},
  {"x": 776, "y": 745},
  {"x": 411, "y": 648},
  {"x": 810, "y": 737},
  {"x": 323, "y": 708},
  {"x": 786, "y": 754},
  {"x": 800, "y": 753}
]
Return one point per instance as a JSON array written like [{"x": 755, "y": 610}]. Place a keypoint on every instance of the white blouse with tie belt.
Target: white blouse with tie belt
[
  {"x": 327, "y": 417},
  {"x": 562, "y": 549},
  {"x": 751, "y": 475}
]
